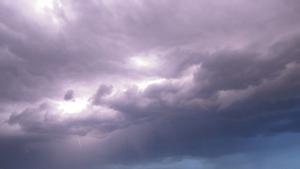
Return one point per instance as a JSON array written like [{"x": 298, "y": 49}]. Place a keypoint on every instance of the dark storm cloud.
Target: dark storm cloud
[
  {"x": 240, "y": 69},
  {"x": 229, "y": 73},
  {"x": 41, "y": 58},
  {"x": 264, "y": 102}
]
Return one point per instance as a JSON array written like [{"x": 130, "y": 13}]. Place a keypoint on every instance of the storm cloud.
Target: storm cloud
[{"x": 149, "y": 84}]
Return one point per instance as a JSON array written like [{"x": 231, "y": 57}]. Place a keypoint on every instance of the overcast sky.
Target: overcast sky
[{"x": 149, "y": 84}]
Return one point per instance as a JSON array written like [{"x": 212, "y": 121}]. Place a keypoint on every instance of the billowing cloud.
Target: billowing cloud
[{"x": 148, "y": 84}]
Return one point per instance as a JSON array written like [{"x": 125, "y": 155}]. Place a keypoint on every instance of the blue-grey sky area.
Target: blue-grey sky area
[{"x": 148, "y": 84}]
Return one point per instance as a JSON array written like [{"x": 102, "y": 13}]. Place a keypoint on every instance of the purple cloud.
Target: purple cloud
[{"x": 113, "y": 84}]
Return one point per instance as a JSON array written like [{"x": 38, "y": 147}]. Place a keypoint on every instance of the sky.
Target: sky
[{"x": 148, "y": 84}]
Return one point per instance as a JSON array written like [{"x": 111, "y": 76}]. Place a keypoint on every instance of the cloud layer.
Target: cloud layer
[{"x": 148, "y": 84}]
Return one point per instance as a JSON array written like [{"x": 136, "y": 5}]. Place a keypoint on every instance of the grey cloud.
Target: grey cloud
[
  {"x": 240, "y": 69},
  {"x": 186, "y": 127},
  {"x": 51, "y": 57},
  {"x": 230, "y": 69},
  {"x": 69, "y": 95},
  {"x": 48, "y": 121},
  {"x": 102, "y": 91}
]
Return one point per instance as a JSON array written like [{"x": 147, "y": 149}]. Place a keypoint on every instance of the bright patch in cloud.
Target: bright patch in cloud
[
  {"x": 144, "y": 84},
  {"x": 74, "y": 106},
  {"x": 46, "y": 12},
  {"x": 144, "y": 61},
  {"x": 41, "y": 6}
]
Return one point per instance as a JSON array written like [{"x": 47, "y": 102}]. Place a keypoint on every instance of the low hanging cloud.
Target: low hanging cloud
[{"x": 146, "y": 84}]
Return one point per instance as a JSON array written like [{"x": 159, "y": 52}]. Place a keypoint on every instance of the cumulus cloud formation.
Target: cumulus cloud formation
[{"x": 147, "y": 84}]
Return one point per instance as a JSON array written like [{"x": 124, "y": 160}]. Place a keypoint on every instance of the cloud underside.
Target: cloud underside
[{"x": 211, "y": 79}]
